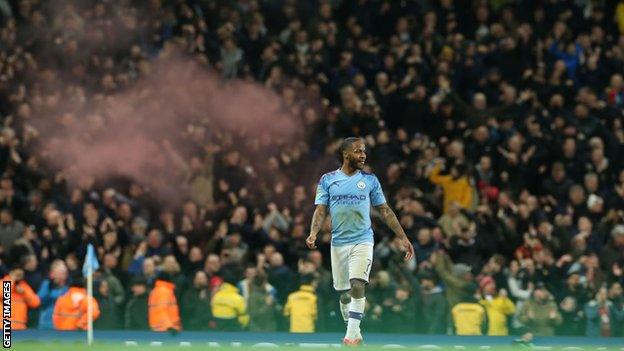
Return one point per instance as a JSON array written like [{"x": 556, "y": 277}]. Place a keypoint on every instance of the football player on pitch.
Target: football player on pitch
[{"x": 349, "y": 193}]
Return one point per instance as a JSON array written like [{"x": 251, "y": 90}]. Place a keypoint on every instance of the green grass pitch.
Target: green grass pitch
[{"x": 56, "y": 346}]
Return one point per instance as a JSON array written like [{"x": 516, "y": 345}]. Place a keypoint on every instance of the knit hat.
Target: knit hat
[{"x": 215, "y": 282}]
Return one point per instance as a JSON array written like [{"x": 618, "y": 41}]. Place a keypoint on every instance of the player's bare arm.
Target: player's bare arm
[
  {"x": 317, "y": 223},
  {"x": 392, "y": 221}
]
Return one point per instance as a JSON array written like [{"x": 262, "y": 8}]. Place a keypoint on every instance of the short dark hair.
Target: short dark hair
[
  {"x": 138, "y": 280},
  {"x": 345, "y": 145},
  {"x": 77, "y": 280},
  {"x": 306, "y": 279},
  {"x": 165, "y": 276}
]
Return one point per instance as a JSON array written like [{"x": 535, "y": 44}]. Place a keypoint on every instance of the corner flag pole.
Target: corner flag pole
[
  {"x": 89, "y": 304},
  {"x": 90, "y": 263}
]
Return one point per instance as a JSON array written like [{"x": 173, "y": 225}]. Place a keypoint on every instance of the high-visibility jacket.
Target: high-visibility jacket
[
  {"x": 469, "y": 318},
  {"x": 162, "y": 307},
  {"x": 71, "y": 310},
  {"x": 21, "y": 302},
  {"x": 498, "y": 309},
  {"x": 228, "y": 303},
  {"x": 301, "y": 307}
]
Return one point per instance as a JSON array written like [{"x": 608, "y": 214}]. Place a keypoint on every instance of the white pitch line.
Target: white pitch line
[
  {"x": 393, "y": 346},
  {"x": 265, "y": 345}
]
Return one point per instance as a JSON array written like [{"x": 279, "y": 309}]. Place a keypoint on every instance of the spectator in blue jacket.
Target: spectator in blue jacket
[
  {"x": 50, "y": 290},
  {"x": 602, "y": 315}
]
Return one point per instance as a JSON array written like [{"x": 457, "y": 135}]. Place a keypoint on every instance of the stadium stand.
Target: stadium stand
[{"x": 496, "y": 128}]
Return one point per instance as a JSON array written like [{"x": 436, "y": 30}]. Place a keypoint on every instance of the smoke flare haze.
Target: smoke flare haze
[{"x": 177, "y": 108}]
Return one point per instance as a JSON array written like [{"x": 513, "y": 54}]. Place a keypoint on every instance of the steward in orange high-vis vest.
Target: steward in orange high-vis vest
[
  {"x": 22, "y": 298},
  {"x": 70, "y": 310},
  {"x": 162, "y": 306}
]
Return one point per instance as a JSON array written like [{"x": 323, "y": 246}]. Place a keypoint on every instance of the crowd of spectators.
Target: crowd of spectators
[{"x": 496, "y": 128}]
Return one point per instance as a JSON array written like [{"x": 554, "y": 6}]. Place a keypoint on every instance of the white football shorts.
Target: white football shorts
[{"x": 350, "y": 262}]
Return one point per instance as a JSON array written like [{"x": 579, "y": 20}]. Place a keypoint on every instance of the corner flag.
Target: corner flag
[
  {"x": 90, "y": 260},
  {"x": 90, "y": 264}
]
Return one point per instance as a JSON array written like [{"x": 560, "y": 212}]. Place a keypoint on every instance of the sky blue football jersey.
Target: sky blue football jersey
[{"x": 349, "y": 200}]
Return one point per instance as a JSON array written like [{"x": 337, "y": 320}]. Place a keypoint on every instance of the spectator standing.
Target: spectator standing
[
  {"x": 456, "y": 185},
  {"x": 163, "y": 310},
  {"x": 23, "y": 298},
  {"x": 196, "y": 304},
  {"x": 540, "y": 314},
  {"x": 280, "y": 276},
  {"x": 602, "y": 315},
  {"x": 469, "y": 317},
  {"x": 457, "y": 278},
  {"x": 229, "y": 309},
  {"x": 433, "y": 305},
  {"x": 301, "y": 307},
  {"x": 135, "y": 317},
  {"x": 262, "y": 305},
  {"x": 110, "y": 310},
  {"x": 401, "y": 312},
  {"x": 71, "y": 309},
  {"x": 51, "y": 289},
  {"x": 10, "y": 229},
  {"x": 498, "y": 306}
]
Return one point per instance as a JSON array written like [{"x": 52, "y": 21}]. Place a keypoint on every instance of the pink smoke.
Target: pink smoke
[{"x": 178, "y": 106}]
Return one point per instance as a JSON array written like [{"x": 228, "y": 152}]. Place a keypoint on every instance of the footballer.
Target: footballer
[{"x": 348, "y": 194}]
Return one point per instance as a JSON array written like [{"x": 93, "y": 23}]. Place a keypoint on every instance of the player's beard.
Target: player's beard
[{"x": 354, "y": 163}]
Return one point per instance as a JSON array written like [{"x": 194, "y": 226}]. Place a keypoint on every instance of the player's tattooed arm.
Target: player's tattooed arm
[
  {"x": 391, "y": 220},
  {"x": 318, "y": 218}
]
